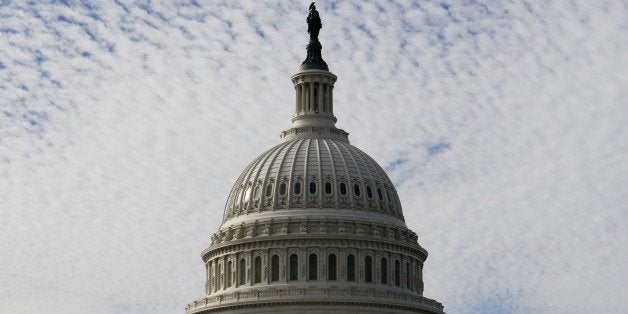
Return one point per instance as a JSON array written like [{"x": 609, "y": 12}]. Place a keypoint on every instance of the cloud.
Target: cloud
[{"x": 124, "y": 125}]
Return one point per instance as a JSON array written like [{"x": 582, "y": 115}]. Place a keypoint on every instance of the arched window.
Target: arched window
[
  {"x": 282, "y": 188},
  {"x": 369, "y": 193},
  {"x": 228, "y": 275},
  {"x": 313, "y": 267},
  {"x": 368, "y": 269},
  {"x": 397, "y": 274},
  {"x": 331, "y": 264},
  {"x": 384, "y": 271},
  {"x": 247, "y": 193},
  {"x": 242, "y": 272},
  {"x": 269, "y": 190},
  {"x": 327, "y": 188},
  {"x": 274, "y": 268},
  {"x": 387, "y": 196},
  {"x": 343, "y": 188},
  {"x": 258, "y": 270},
  {"x": 297, "y": 188},
  {"x": 379, "y": 193},
  {"x": 356, "y": 189},
  {"x": 312, "y": 188},
  {"x": 350, "y": 267},
  {"x": 294, "y": 267},
  {"x": 257, "y": 192}
]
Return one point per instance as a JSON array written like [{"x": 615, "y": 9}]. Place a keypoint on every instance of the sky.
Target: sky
[{"x": 503, "y": 125}]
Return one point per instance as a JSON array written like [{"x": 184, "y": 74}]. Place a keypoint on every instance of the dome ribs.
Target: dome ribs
[
  {"x": 357, "y": 200},
  {"x": 370, "y": 182},
  {"x": 276, "y": 179},
  {"x": 268, "y": 180},
  {"x": 256, "y": 185},
  {"x": 339, "y": 178},
  {"x": 231, "y": 204},
  {"x": 342, "y": 177},
  {"x": 319, "y": 180},
  {"x": 291, "y": 178},
  {"x": 332, "y": 175}
]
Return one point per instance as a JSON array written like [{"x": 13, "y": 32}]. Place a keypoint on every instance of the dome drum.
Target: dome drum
[
  {"x": 360, "y": 268},
  {"x": 303, "y": 246}
]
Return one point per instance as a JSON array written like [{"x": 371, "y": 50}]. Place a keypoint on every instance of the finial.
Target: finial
[{"x": 314, "y": 59}]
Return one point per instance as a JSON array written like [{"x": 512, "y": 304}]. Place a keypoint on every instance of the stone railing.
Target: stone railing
[
  {"x": 311, "y": 131},
  {"x": 304, "y": 295}
]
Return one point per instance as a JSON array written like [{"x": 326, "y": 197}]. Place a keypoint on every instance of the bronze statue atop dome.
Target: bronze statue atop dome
[
  {"x": 314, "y": 23},
  {"x": 314, "y": 59}
]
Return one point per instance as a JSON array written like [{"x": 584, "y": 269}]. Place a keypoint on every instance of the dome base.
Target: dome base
[
  {"x": 315, "y": 132},
  {"x": 315, "y": 300}
]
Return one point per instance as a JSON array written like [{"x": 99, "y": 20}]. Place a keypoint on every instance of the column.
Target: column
[
  {"x": 320, "y": 96},
  {"x": 208, "y": 289},
  {"x": 326, "y": 98},
  {"x": 331, "y": 99},
  {"x": 221, "y": 282},
  {"x": 284, "y": 263},
  {"x": 310, "y": 106},
  {"x": 303, "y": 95},
  {"x": 249, "y": 268},
  {"x": 323, "y": 107},
  {"x": 297, "y": 89},
  {"x": 216, "y": 274}
]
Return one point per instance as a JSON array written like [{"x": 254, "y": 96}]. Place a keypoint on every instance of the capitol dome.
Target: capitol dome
[{"x": 314, "y": 224}]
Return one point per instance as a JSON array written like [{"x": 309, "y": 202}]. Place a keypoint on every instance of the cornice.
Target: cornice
[
  {"x": 242, "y": 245},
  {"x": 308, "y": 227}
]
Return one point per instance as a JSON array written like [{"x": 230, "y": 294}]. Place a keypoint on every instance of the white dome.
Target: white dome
[
  {"x": 314, "y": 225},
  {"x": 318, "y": 176}
]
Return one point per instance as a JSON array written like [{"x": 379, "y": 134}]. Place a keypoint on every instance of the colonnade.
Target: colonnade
[
  {"x": 314, "y": 264},
  {"x": 314, "y": 97}
]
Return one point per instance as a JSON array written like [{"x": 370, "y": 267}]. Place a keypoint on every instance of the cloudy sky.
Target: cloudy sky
[{"x": 503, "y": 125}]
